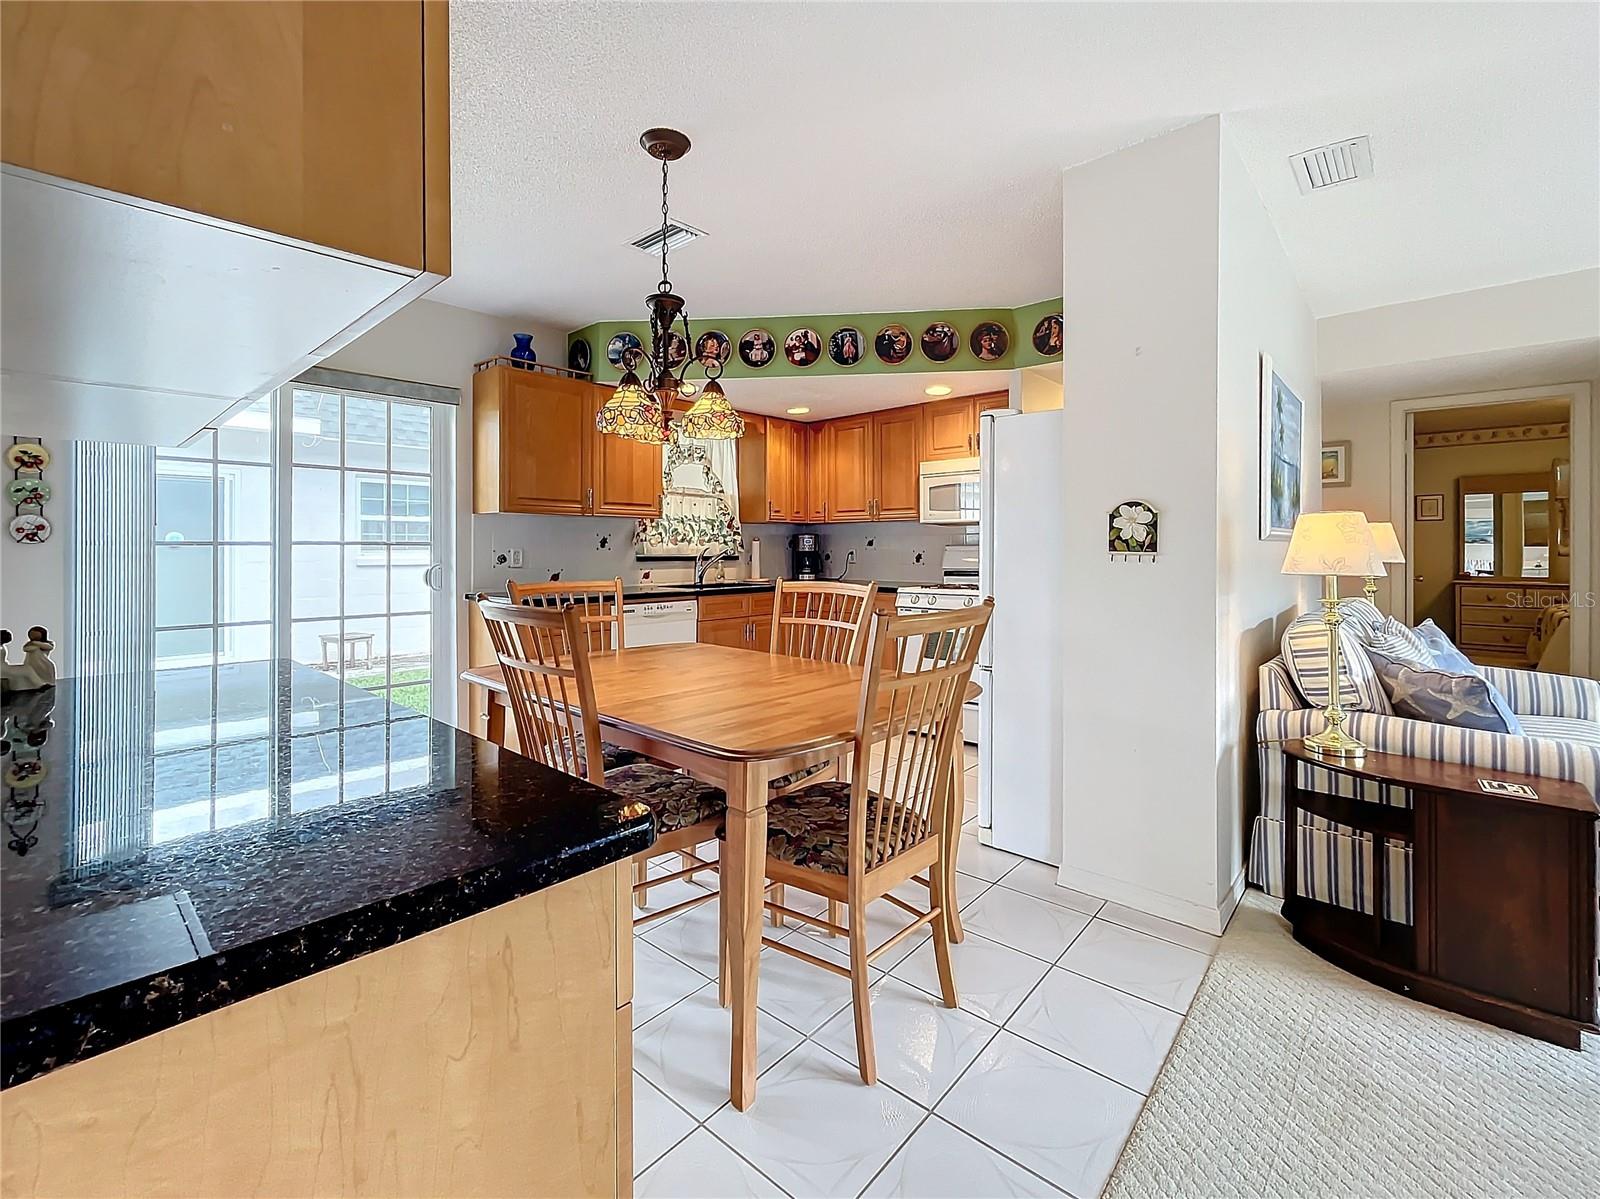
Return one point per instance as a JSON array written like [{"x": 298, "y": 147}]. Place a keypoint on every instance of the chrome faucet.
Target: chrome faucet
[{"x": 703, "y": 563}]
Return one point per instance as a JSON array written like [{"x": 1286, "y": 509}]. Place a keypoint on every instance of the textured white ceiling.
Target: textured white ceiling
[{"x": 861, "y": 157}]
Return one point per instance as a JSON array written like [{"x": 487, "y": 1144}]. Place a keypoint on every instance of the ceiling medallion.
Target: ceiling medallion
[{"x": 638, "y": 409}]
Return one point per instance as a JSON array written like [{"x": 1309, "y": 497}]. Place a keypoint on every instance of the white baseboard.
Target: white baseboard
[{"x": 1157, "y": 903}]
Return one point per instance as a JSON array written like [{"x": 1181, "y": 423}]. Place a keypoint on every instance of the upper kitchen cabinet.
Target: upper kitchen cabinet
[
  {"x": 535, "y": 448},
  {"x": 950, "y": 427},
  {"x": 772, "y": 471},
  {"x": 201, "y": 200},
  {"x": 871, "y": 465},
  {"x": 813, "y": 444},
  {"x": 897, "y": 437},
  {"x": 850, "y": 492}
]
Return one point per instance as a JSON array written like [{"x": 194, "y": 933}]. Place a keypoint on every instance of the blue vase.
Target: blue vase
[{"x": 523, "y": 350}]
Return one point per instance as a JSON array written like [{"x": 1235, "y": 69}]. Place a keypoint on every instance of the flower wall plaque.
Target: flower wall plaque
[{"x": 1132, "y": 530}]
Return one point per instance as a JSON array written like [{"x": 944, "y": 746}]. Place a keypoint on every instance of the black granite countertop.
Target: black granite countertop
[
  {"x": 176, "y": 842},
  {"x": 673, "y": 591}
]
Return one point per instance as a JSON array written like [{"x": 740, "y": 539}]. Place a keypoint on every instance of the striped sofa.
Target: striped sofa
[{"x": 1560, "y": 715}]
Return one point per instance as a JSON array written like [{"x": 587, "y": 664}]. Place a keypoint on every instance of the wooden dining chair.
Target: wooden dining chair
[
  {"x": 599, "y": 604},
  {"x": 824, "y": 622},
  {"x": 855, "y": 841},
  {"x": 543, "y": 651}
]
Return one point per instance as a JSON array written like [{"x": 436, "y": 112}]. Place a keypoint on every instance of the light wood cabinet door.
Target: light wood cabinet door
[
  {"x": 326, "y": 122},
  {"x": 897, "y": 436},
  {"x": 532, "y": 437},
  {"x": 791, "y": 494},
  {"x": 736, "y": 632},
  {"x": 816, "y": 489},
  {"x": 949, "y": 429},
  {"x": 850, "y": 468},
  {"x": 627, "y": 474}
]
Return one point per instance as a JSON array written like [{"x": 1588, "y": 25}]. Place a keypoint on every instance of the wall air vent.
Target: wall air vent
[
  {"x": 677, "y": 235},
  {"x": 1328, "y": 166}
]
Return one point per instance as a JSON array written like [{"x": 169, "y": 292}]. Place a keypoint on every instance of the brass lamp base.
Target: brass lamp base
[{"x": 1334, "y": 742}]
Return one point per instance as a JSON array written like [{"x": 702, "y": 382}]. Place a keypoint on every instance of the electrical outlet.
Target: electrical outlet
[
  {"x": 504, "y": 559},
  {"x": 516, "y": 559}
]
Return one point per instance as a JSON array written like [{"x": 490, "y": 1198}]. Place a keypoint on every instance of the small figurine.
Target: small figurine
[{"x": 35, "y": 670}]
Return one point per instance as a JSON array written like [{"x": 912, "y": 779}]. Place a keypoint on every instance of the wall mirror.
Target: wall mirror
[{"x": 1505, "y": 525}]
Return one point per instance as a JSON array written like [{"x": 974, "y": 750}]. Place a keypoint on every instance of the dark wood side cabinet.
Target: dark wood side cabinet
[{"x": 1504, "y": 892}]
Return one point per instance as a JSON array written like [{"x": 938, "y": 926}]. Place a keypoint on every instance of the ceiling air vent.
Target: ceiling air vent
[
  {"x": 676, "y": 235},
  {"x": 1327, "y": 166}
]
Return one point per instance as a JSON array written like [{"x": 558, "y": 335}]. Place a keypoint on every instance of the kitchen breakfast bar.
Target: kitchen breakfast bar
[{"x": 264, "y": 933}]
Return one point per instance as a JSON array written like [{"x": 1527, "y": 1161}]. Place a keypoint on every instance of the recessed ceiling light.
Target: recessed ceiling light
[
  {"x": 797, "y": 411},
  {"x": 938, "y": 389}
]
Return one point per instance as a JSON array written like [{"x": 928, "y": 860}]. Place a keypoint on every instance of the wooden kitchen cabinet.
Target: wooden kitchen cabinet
[
  {"x": 897, "y": 436},
  {"x": 814, "y": 442},
  {"x": 535, "y": 449},
  {"x": 850, "y": 466},
  {"x": 950, "y": 427},
  {"x": 743, "y": 621},
  {"x": 325, "y": 122},
  {"x": 772, "y": 466}
]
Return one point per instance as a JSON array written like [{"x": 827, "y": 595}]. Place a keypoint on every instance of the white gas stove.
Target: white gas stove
[{"x": 958, "y": 590}]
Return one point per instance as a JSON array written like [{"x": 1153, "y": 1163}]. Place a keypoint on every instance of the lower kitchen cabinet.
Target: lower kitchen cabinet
[{"x": 741, "y": 621}]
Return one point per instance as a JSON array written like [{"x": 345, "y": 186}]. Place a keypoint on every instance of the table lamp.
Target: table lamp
[
  {"x": 1332, "y": 544},
  {"x": 1388, "y": 549}
]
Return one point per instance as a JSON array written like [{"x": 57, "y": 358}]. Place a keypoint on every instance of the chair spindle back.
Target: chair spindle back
[
  {"x": 826, "y": 622},
  {"x": 599, "y": 604}
]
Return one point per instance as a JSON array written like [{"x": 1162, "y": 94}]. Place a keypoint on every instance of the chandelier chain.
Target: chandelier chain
[{"x": 666, "y": 283}]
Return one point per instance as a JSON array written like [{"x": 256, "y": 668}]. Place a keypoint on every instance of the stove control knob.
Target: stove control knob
[{"x": 967, "y": 603}]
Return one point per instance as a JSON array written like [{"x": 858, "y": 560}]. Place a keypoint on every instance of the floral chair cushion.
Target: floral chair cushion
[
  {"x": 784, "y": 781},
  {"x": 677, "y": 800},
  {"x": 612, "y": 756},
  {"x": 811, "y": 828}
]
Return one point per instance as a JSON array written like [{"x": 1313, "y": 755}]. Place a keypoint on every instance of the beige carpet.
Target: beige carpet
[{"x": 1292, "y": 1078}]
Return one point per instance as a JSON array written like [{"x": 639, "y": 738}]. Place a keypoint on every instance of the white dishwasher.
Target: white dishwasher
[{"x": 659, "y": 622}]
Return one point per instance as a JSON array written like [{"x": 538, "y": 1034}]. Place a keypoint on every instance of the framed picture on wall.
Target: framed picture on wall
[
  {"x": 1430, "y": 507},
  {"x": 1282, "y": 454},
  {"x": 1336, "y": 464}
]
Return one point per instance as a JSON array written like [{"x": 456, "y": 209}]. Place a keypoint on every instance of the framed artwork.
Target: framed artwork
[
  {"x": 1430, "y": 507},
  {"x": 802, "y": 347},
  {"x": 941, "y": 342},
  {"x": 989, "y": 341},
  {"x": 844, "y": 347},
  {"x": 1282, "y": 454},
  {"x": 1047, "y": 335},
  {"x": 1336, "y": 464},
  {"x": 712, "y": 346}
]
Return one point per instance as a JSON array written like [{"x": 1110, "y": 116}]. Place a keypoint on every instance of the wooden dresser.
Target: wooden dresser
[{"x": 1495, "y": 617}]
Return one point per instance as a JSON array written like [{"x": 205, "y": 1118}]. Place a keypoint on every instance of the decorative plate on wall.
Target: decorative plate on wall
[
  {"x": 802, "y": 347},
  {"x": 677, "y": 350},
  {"x": 625, "y": 349},
  {"x": 712, "y": 346},
  {"x": 893, "y": 344},
  {"x": 30, "y": 529},
  {"x": 28, "y": 491},
  {"x": 990, "y": 341},
  {"x": 578, "y": 357},
  {"x": 756, "y": 348},
  {"x": 27, "y": 455},
  {"x": 1047, "y": 335},
  {"x": 844, "y": 347},
  {"x": 940, "y": 342}
]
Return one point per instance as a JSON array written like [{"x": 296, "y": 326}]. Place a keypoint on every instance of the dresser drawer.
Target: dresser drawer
[
  {"x": 1524, "y": 618},
  {"x": 1493, "y": 637},
  {"x": 1489, "y": 595}
]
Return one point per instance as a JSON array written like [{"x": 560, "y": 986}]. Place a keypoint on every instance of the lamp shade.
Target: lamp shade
[
  {"x": 711, "y": 417},
  {"x": 632, "y": 412},
  {"x": 1388, "y": 544},
  {"x": 1332, "y": 543}
]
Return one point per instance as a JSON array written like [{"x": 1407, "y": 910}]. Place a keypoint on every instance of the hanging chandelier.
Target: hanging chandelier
[{"x": 639, "y": 408}]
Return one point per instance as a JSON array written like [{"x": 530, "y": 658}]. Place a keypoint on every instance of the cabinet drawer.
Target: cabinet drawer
[
  {"x": 1491, "y": 595},
  {"x": 1494, "y": 637},
  {"x": 1524, "y": 618},
  {"x": 721, "y": 607}
]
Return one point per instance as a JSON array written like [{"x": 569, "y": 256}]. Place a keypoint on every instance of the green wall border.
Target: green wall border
[{"x": 1019, "y": 322}]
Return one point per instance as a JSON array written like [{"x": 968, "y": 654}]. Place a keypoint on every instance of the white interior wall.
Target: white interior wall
[{"x": 1177, "y": 283}]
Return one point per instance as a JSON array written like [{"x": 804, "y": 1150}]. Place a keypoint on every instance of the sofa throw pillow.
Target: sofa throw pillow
[
  {"x": 1400, "y": 640},
  {"x": 1420, "y": 690},
  {"x": 1444, "y": 652},
  {"x": 1363, "y": 613},
  {"x": 1305, "y": 653}
]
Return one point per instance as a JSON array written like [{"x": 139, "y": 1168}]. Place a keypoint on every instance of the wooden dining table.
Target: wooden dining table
[{"x": 735, "y": 719}]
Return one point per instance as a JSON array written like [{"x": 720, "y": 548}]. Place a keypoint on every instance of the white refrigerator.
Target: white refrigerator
[{"x": 1019, "y": 663}]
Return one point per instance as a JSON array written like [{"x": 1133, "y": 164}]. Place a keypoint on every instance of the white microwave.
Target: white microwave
[{"x": 948, "y": 492}]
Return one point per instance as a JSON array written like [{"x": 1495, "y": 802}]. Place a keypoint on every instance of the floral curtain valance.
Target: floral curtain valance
[{"x": 699, "y": 500}]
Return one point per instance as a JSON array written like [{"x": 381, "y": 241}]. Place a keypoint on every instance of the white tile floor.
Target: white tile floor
[{"x": 1068, "y": 1008}]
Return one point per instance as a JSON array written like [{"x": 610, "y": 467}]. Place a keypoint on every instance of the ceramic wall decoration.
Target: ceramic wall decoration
[
  {"x": 27, "y": 455},
  {"x": 1282, "y": 428},
  {"x": 624, "y": 350},
  {"x": 802, "y": 347},
  {"x": 844, "y": 347},
  {"x": 712, "y": 346},
  {"x": 893, "y": 344},
  {"x": 1132, "y": 531},
  {"x": 990, "y": 341},
  {"x": 522, "y": 348},
  {"x": 940, "y": 342},
  {"x": 28, "y": 491},
  {"x": 1047, "y": 335},
  {"x": 756, "y": 348},
  {"x": 677, "y": 350},
  {"x": 30, "y": 528},
  {"x": 579, "y": 356}
]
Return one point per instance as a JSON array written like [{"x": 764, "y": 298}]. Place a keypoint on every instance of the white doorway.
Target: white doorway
[{"x": 1579, "y": 505}]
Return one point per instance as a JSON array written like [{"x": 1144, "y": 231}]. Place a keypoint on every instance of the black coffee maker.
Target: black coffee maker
[{"x": 805, "y": 559}]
